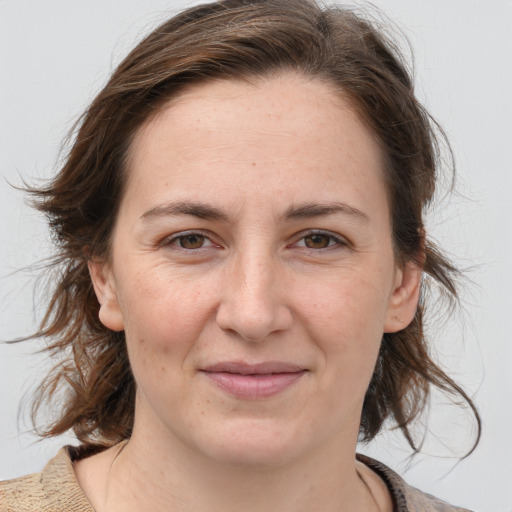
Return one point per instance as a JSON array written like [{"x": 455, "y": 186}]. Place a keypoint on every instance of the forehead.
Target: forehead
[{"x": 285, "y": 133}]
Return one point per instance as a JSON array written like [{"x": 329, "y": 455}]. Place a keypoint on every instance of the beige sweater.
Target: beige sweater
[{"x": 56, "y": 489}]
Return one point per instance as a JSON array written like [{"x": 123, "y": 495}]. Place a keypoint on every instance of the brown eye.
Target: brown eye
[
  {"x": 317, "y": 241},
  {"x": 193, "y": 241}
]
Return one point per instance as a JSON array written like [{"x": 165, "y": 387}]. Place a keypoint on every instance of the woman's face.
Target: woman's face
[{"x": 252, "y": 270}]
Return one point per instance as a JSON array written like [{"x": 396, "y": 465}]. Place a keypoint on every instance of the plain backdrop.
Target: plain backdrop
[{"x": 55, "y": 55}]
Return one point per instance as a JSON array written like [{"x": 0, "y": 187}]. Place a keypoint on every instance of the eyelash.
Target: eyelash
[
  {"x": 334, "y": 241},
  {"x": 174, "y": 239}
]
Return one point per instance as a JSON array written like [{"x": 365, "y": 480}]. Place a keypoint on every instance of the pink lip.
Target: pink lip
[{"x": 261, "y": 380}]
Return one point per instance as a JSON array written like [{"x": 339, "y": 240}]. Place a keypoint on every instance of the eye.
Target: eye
[
  {"x": 320, "y": 240},
  {"x": 190, "y": 241}
]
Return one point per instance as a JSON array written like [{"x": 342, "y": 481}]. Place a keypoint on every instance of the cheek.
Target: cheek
[
  {"x": 347, "y": 308},
  {"x": 162, "y": 328},
  {"x": 345, "y": 318},
  {"x": 163, "y": 316}
]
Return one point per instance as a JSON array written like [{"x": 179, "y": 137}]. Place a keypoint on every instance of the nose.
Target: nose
[{"x": 253, "y": 301}]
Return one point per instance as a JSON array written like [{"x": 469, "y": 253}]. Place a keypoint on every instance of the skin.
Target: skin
[{"x": 272, "y": 276}]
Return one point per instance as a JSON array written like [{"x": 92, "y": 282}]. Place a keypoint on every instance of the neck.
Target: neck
[{"x": 149, "y": 475}]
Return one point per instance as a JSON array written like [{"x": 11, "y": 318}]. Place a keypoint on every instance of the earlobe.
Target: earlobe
[
  {"x": 403, "y": 302},
  {"x": 104, "y": 285}
]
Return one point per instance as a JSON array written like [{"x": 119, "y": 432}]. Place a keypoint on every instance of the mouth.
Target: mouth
[{"x": 253, "y": 381}]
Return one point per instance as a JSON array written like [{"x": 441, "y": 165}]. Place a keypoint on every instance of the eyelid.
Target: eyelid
[
  {"x": 340, "y": 240},
  {"x": 169, "y": 240}
]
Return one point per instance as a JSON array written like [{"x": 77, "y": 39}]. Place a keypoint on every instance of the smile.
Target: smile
[{"x": 247, "y": 381}]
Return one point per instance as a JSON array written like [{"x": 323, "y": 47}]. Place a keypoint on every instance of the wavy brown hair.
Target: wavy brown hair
[{"x": 242, "y": 40}]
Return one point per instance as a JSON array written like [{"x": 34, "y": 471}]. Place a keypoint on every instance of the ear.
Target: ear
[
  {"x": 403, "y": 302},
  {"x": 106, "y": 292}
]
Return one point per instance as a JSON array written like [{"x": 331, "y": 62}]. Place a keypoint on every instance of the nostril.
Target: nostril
[{"x": 250, "y": 323}]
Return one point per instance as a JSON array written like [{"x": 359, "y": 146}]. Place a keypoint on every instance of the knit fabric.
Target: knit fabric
[
  {"x": 405, "y": 497},
  {"x": 56, "y": 489}
]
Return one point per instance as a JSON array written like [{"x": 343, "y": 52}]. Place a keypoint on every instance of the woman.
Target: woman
[{"x": 242, "y": 250}]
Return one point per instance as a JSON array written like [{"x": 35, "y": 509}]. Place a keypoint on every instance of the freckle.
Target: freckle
[
  {"x": 163, "y": 368},
  {"x": 142, "y": 341}
]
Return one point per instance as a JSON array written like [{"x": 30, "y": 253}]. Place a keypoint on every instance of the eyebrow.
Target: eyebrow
[
  {"x": 209, "y": 212},
  {"x": 311, "y": 210},
  {"x": 200, "y": 210}
]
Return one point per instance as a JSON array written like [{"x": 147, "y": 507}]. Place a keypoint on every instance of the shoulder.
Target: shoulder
[
  {"x": 407, "y": 498},
  {"x": 55, "y": 489},
  {"x": 24, "y": 493}
]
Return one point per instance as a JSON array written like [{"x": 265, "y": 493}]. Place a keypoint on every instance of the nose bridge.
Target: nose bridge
[
  {"x": 253, "y": 304},
  {"x": 255, "y": 269}
]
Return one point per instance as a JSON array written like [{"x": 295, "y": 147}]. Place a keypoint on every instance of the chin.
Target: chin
[{"x": 254, "y": 444}]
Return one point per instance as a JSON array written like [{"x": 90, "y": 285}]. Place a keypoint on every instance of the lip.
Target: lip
[{"x": 253, "y": 381}]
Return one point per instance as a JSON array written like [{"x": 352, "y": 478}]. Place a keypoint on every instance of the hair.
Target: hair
[{"x": 235, "y": 40}]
